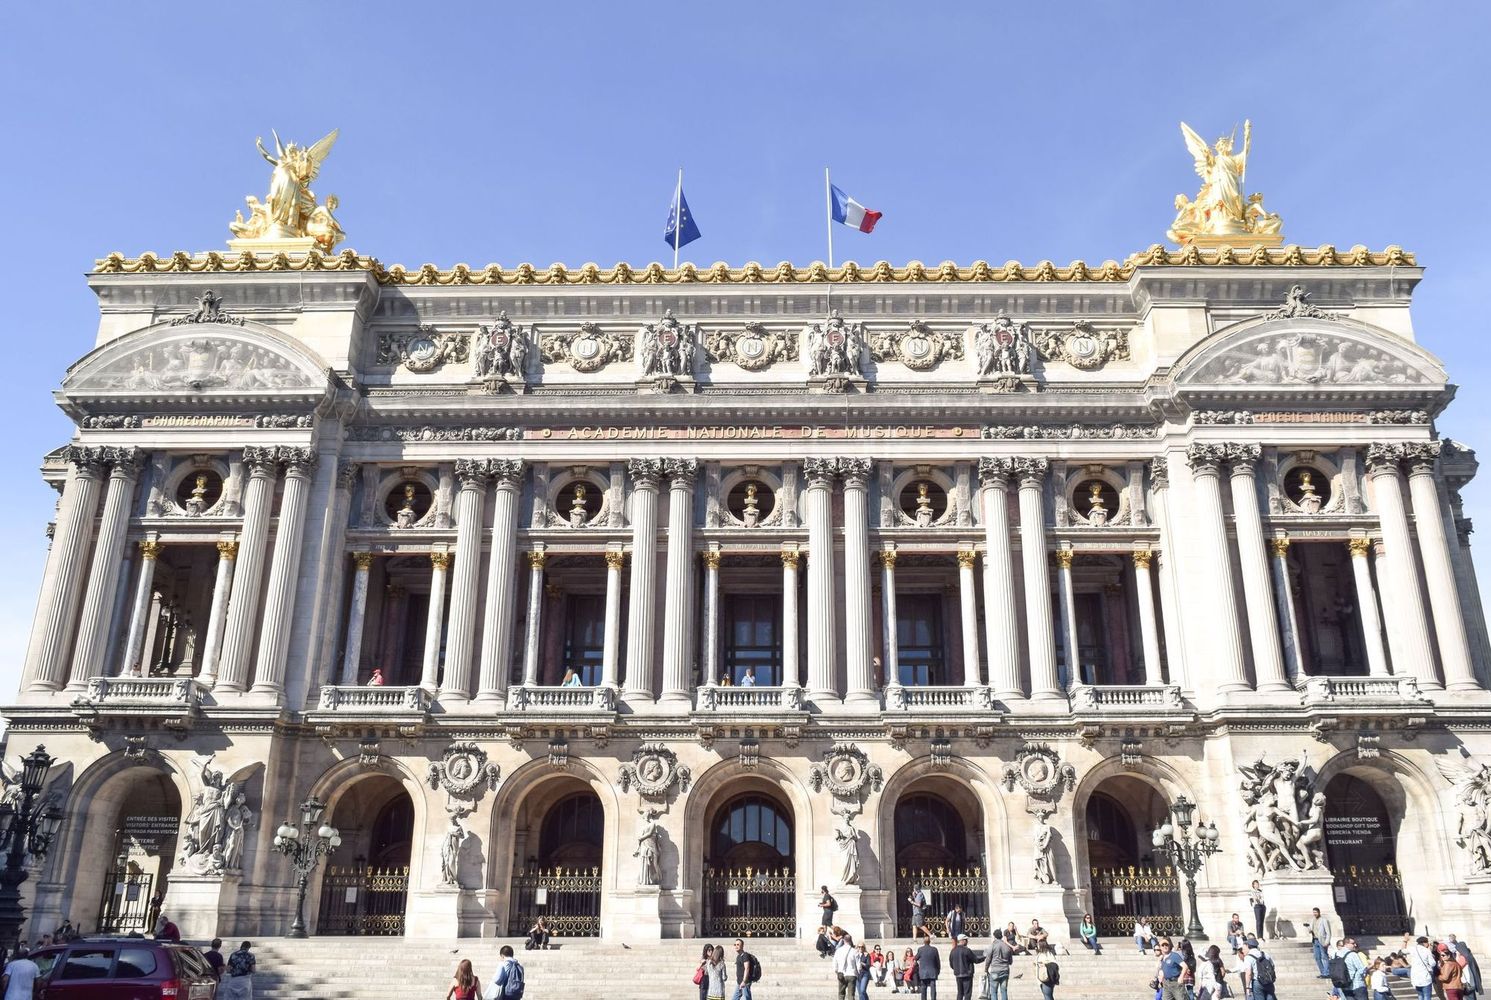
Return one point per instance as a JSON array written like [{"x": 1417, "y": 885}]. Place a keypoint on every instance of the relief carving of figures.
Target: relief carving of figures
[
  {"x": 1307, "y": 359},
  {"x": 588, "y": 349},
  {"x": 290, "y": 211},
  {"x": 754, "y": 348},
  {"x": 1472, "y": 786},
  {"x": 649, "y": 849},
  {"x": 1284, "y": 818},
  {"x": 834, "y": 347},
  {"x": 918, "y": 347},
  {"x": 200, "y": 363},
  {"x": 213, "y": 840},
  {"x": 667, "y": 346},
  {"x": 423, "y": 350},
  {"x": 846, "y": 839},
  {"x": 502, "y": 350},
  {"x": 1084, "y": 346},
  {"x": 1003, "y": 347}
]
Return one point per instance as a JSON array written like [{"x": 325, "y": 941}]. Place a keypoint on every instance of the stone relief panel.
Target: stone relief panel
[
  {"x": 587, "y": 349},
  {"x": 1284, "y": 817},
  {"x": 755, "y": 348},
  {"x": 1308, "y": 359},
  {"x": 1083, "y": 345},
  {"x": 918, "y": 347},
  {"x": 198, "y": 364},
  {"x": 423, "y": 350},
  {"x": 1472, "y": 786},
  {"x": 501, "y": 350}
]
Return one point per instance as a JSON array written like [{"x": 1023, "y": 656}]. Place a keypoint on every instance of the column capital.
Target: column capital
[
  {"x": 1032, "y": 471},
  {"x": 440, "y": 560},
  {"x": 887, "y": 558},
  {"x": 88, "y": 461},
  {"x": 262, "y": 460},
  {"x": 508, "y": 472},
  {"x": 347, "y": 475},
  {"x": 1359, "y": 547},
  {"x": 615, "y": 559},
  {"x": 537, "y": 558},
  {"x": 1159, "y": 473},
  {"x": 1385, "y": 457},
  {"x": 646, "y": 473},
  {"x": 1279, "y": 545},
  {"x": 364, "y": 560},
  {"x": 299, "y": 461},
  {"x": 474, "y": 473},
  {"x": 681, "y": 472},
  {"x": 966, "y": 558},
  {"x": 711, "y": 558},
  {"x": 994, "y": 473},
  {"x": 1421, "y": 456},
  {"x": 227, "y": 548},
  {"x": 1064, "y": 558},
  {"x": 125, "y": 462},
  {"x": 855, "y": 471},
  {"x": 789, "y": 558},
  {"x": 1206, "y": 457},
  {"x": 1142, "y": 558},
  {"x": 820, "y": 471},
  {"x": 150, "y": 549},
  {"x": 1242, "y": 457}
]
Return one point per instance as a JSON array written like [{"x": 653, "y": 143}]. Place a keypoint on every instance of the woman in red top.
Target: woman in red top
[{"x": 465, "y": 985}]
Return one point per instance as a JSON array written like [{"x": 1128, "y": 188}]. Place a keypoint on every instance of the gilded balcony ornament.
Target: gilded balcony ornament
[
  {"x": 289, "y": 220},
  {"x": 1220, "y": 215}
]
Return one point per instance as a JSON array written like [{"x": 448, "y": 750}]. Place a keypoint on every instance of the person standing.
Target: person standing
[
  {"x": 1421, "y": 966},
  {"x": 1356, "y": 970},
  {"x": 1320, "y": 931},
  {"x": 827, "y": 906},
  {"x": 701, "y": 979},
  {"x": 1450, "y": 975},
  {"x": 716, "y": 973},
  {"x": 1169, "y": 970},
  {"x": 1260, "y": 908},
  {"x": 1088, "y": 932},
  {"x": 214, "y": 956},
  {"x": 747, "y": 971},
  {"x": 19, "y": 978},
  {"x": 861, "y": 973},
  {"x": 1000, "y": 956},
  {"x": 1379, "y": 982},
  {"x": 953, "y": 923},
  {"x": 1259, "y": 975},
  {"x": 238, "y": 984},
  {"x": 962, "y": 961},
  {"x": 1468, "y": 967},
  {"x": 1211, "y": 975},
  {"x": 928, "y": 968},
  {"x": 918, "y": 901},
  {"x": 843, "y": 962},
  {"x": 749, "y": 680},
  {"x": 1047, "y": 972},
  {"x": 464, "y": 985}
]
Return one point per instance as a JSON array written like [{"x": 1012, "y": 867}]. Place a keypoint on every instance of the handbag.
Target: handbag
[
  {"x": 983, "y": 990},
  {"x": 699, "y": 976}
]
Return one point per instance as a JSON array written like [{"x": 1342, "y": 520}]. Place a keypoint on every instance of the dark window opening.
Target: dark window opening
[
  {"x": 753, "y": 637},
  {"x": 920, "y": 640},
  {"x": 585, "y": 636}
]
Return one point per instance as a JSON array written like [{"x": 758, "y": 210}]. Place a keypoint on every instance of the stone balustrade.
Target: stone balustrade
[
  {"x": 373, "y": 700},
  {"x": 938, "y": 699},
  {"x": 561, "y": 700},
  {"x": 754, "y": 698},
  {"x": 171, "y": 700},
  {"x": 1126, "y": 697},
  {"x": 1374, "y": 690}
]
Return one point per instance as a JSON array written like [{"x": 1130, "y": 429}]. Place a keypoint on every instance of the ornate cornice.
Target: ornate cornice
[{"x": 782, "y": 274}]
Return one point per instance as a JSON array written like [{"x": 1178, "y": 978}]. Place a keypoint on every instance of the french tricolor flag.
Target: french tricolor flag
[{"x": 851, "y": 213}]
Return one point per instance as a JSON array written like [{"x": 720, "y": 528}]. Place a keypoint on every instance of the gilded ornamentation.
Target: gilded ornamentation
[
  {"x": 502, "y": 350},
  {"x": 150, "y": 549},
  {"x": 1359, "y": 547},
  {"x": 209, "y": 310},
  {"x": 1279, "y": 546},
  {"x": 1219, "y": 210},
  {"x": 918, "y": 347},
  {"x": 834, "y": 347},
  {"x": 537, "y": 558},
  {"x": 289, "y": 212},
  {"x": 440, "y": 560},
  {"x": 1142, "y": 558},
  {"x": 1002, "y": 347},
  {"x": 755, "y": 348},
  {"x": 225, "y": 549},
  {"x": 615, "y": 559},
  {"x": 587, "y": 349},
  {"x": 423, "y": 350},
  {"x": 789, "y": 558},
  {"x": 462, "y": 771},
  {"x": 966, "y": 558},
  {"x": 1084, "y": 346}
]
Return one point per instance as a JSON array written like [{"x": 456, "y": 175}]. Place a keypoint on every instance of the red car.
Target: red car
[{"x": 131, "y": 968}]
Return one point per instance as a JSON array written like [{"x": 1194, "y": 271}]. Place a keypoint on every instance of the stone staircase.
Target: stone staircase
[{"x": 330, "y": 968}]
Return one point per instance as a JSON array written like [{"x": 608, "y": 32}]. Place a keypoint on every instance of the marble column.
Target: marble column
[
  {"x": 243, "y": 603},
  {"x": 1439, "y": 571},
  {"x": 1040, "y": 633},
  {"x": 1067, "y": 611},
  {"x": 1366, "y": 602},
  {"x": 678, "y": 585},
  {"x": 1230, "y": 672},
  {"x": 968, "y": 594},
  {"x": 429, "y": 674},
  {"x": 1000, "y": 614},
  {"x": 822, "y": 652},
  {"x": 217, "y": 615},
  {"x": 284, "y": 573},
  {"x": 474, "y": 475},
  {"x": 1406, "y": 620},
  {"x": 709, "y": 655},
  {"x": 139, "y": 618},
  {"x": 103, "y": 576},
  {"x": 890, "y": 640},
  {"x": 501, "y": 609},
  {"x": 62, "y": 584},
  {"x": 356, "y": 618},
  {"x": 532, "y": 631},
  {"x": 1170, "y": 616},
  {"x": 1149, "y": 632},
  {"x": 1263, "y": 618},
  {"x": 790, "y": 675},
  {"x": 642, "y": 604},
  {"x": 858, "y": 619},
  {"x": 610, "y": 653},
  {"x": 1294, "y": 651}
]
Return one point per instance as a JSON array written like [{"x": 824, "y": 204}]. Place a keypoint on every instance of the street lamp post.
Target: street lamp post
[
  {"x": 28, "y": 825},
  {"x": 1187, "y": 852},
  {"x": 304, "y": 847}
]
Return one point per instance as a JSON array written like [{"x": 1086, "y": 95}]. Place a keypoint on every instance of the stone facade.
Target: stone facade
[{"x": 1052, "y": 549}]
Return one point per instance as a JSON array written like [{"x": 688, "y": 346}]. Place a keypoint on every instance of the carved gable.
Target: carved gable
[
  {"x": 1307, "y": 351},
  {"x": 196, "y": 359}
]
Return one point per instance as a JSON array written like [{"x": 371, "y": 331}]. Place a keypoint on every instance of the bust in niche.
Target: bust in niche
[
  {"x": 406, "y": 515},
  {"x": 1097, "y": 512},
  {"x": 1309, "y": 501},
  {"x": 751, "y": 514},
  {"x": 923, "y": 504},
  {"x": 577, "y": 512}
]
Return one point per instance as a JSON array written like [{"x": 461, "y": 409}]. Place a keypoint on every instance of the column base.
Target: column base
[
  {"x": 1049, "y": 694},
  {"x": 1290, "y": 896},
  {"x": 1465, "y": 685},
  {"x": 638, "y": 695},
  {"x": 639, "y": 911},
  {"x": 676, "y": 699},
  {"x": 862, "y": 699},
  {"x": 1275, "y": 687},
  {"x": 490, "y": 698},
  {"x": 822, "y": 698}
]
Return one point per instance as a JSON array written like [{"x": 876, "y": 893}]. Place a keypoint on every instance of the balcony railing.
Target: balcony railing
[
  {"x": 561, "y": 700},
  {"x": 1375, "y": 690},
  {"x": 930, "y": 699},
  {"x": 378, "y": 700},
  {"x": 181, "y": 693},
  {"x": 751, "y": 698},
  {"x": 1126, "y": 697}
]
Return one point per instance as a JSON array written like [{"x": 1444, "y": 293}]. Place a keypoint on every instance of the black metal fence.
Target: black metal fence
[
  {"x": 945, "y": 888},
  {"x": 125, "y": 906},
  {"x": 1370, "y": 901},
  {"x": 750, "y": 902},
  {"x": 363, "y": 901},
  {"x": 1122, "y": 895},
  {"x": 569, "y": 900}
]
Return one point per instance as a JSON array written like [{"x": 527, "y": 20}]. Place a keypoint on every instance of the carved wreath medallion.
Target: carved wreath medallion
[
  {"x": 588, "y": 349},
  {"x": 847, "y": 772},
  {"x": 424, "y": 350},
  {"x": 463, "y": 770},
  {"x": 1084, "y": 346},
  {"x": 654, "y": 770},
  {"x": 754, "y": 348},
  {"x": 918, "y": 347},
  {"x": 1038, "y": 769}
]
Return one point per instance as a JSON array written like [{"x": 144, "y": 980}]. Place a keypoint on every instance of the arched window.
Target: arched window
[
  {"x": 1112, "y": 841},
  {"x": 571, "y": 832},
  {"x": 929, "y": 832},
  {"x": 393, "y": 832},
  {"x": 751, "y": 830}
]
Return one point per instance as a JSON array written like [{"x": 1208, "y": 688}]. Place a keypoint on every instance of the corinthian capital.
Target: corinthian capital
[
  {"x": 1242, "y": 457},
  {"x": 1159, "y": 473},
  {"x": 682, "y": 471},
  {"x": 855, "y": 471},
  {"x": 1030, "y": 470},
  {"x": 87, "y": 461},
  {"x": 994, "y": 473},
  {"x": 474, "y": 471},
  {"x": 1206, "y": 456},
  {"x": 820, "y": 471},
  {"x": 508, "y": 472},
  {"x": 126, "y": 461},
  {"x": 1385, "y": 457},
  {"x": 1420, "y": 457},
  {"x": 299, "y": 461},
  {"x": 646, "y": 473},
  {"x": 261, "y": 460}
]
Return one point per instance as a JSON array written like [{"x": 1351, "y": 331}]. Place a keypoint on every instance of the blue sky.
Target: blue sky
[{"x": 546, "y": 132}]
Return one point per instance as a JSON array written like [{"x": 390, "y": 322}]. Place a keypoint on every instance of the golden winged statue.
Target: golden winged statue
[
  {"x": 1219, "y": 213},
  {"x": 290, "y": 212}
]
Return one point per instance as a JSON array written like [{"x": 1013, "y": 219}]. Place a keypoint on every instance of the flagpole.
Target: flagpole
[
  {"x": 677, "y": 216},
  {"x": 828, "y": 204}
]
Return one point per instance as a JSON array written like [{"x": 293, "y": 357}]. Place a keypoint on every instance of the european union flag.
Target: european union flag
[{"x": 680, "y": 222}]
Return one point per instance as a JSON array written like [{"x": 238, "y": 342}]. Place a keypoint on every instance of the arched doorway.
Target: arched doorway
[
  {"x": 1361, "y": 849},
  {"x": 750, "y": 881},
  {"x": 135, "y": 848},
  {"x": 938, "y": 833},
  {"x": 558, "y": 858},
  {"x": 368, "y": 896},
  {"x": 1125, "y": 879}
]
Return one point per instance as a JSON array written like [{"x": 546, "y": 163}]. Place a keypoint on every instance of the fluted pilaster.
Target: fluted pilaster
[
  {"x": 243, "y": 604},
  {"x": 1000, "y": 619},
  {"x": 475, "y": 476},
  {"x": 1040, "y": 636},
  {"x": 1439, "y": 571},
  {"x": 48, "y": 654},
  {"x": 1407, "y": 622},
  {"x": 284, "y": 572}
]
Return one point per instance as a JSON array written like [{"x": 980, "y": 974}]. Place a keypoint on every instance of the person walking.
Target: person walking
[
  {"x": 1259, "y": 974},
  {"x": 509, "y": 978},
  {"x": 1421, "y": 968},
  {"x": 928, "y": 968},
  {"x": 1356, "y": 970},
  {"x": 701, "y": 978},
  {"x": 464, "y": 985},
  {"x": 238, "y": 983},
  {"x": 861, "y": 973},
  {"x": 1211, "y": 974},
  {"x": 953, "y": 923},
  {"x": 1047, "y": 972},
  {"x": 1000, "y": 956},
  {"x": 19, "y": 978},
  {"x": 827, "y": 906},
  {"x": 1088, "y": 932},
  {"x": 918, "y": 901},
  {"x": 1260, "y": 908},
  {"x": 1470, "y": 971},
  {"x": 843, "y": 962},
  {"x": 214, "y": 956},
  {"x": 1450, "y": 975},
  {"x": 1320, "y": 932},
  {"x": 716, "y": 973},
  {"x": 747, "y": 971},
  {"x": 962, "y": 960}
]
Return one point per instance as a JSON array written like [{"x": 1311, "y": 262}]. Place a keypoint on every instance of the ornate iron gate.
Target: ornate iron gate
[
  {"x": 1121, "y": 895},
  {"x": 1370, "y": 901},
  {"x": 568, "y": 898},
  {"x": 944, "y": 888},
  {"x": 364, "y": 901},
  {"x": 125, "y": 906},
  {"x": 750, "y": 902}
]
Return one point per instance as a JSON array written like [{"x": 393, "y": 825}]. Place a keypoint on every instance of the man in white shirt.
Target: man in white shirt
[
  {"x": 749, "y": 680},
  {"x": 19, "y": 977},
  {"x": 1320, "y": 927},
  {"x": 1421, "y": 967},
  {"x": 844, "y": 963}
]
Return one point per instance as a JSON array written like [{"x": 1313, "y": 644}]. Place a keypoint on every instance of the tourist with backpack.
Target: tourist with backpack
[
  {"x": 747, "y": 971},
  {"x": 1259, "y": 975},
  {"x": 1047, "y": 972},
  {"x": 508, "y": 983}
]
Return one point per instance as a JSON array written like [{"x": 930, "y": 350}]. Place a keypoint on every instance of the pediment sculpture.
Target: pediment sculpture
[
  {"x": 197, "y": 364},
  {"x": 1303, "y": 358}
]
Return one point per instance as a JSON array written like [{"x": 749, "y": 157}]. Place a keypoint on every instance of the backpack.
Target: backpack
[
  {"x": 513, "y": 988},
  {"x": 1340, "y": 977},
  {"x": 1049, "y": 974},
  {"x": 1264, "y": 971},
  {"x": 755, "y": 974}
]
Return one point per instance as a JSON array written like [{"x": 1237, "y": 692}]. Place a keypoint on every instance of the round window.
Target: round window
[
  {"x": 751, "y": 502},
  {"x": 199, "y": 491},
  {"x": 578, "y": 501},
  {"x": 1307, "y": 488},
  {"x": 407, "y": 503},
  {"x": 923, "y": 501},
  {"x": 1097, "y": 501}
]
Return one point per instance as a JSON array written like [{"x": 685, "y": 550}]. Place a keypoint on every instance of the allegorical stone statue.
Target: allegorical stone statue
[
  {"x": 1284, "y": 818},
  {"x": 501, "y": 350},
  {"x": 1472, "y": 784},
  {"x": 1219, "y": 208},
  {"x": 666, "y": 347},
  {"x": 834, "y": 347},
  {"x": 289, "y": 211},
  {"x": 649, "y": 842},
  {"x": 1003, "y": 347},
  {"x": 450, "y": 851},
  {"x": 1045, "y": 872},
  {"x": 213, "y": 840},
  {"x": 846, "y": 838}
]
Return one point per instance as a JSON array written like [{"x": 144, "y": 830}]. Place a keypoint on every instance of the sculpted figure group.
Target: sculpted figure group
[{"x": 1285, "y": 817}]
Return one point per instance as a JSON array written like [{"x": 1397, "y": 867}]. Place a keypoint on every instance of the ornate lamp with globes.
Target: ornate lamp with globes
[
  {"x": 1187, "y": 851},
  {"x": 304, "y": 847},
  {"x": 28, "y": 825}
]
